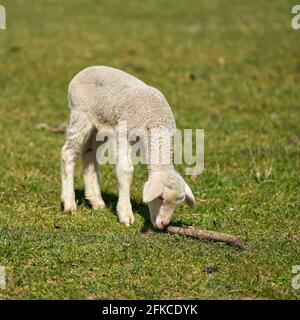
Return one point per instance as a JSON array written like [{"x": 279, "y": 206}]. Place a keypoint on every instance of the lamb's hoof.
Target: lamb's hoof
[
  {"x": 69, "y": 207},
  {"x": 98, "y": 205},
  {"x": 126, "y": 218}
]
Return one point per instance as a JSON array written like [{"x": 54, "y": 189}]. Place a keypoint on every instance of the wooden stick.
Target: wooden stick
[{"x": 207, "y": 235}]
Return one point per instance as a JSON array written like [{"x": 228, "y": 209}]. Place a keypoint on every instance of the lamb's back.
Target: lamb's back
[{"x": 111, "y": 95}]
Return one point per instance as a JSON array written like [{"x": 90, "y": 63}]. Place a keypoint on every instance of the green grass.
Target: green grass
[{"x": 248, "y": 106}]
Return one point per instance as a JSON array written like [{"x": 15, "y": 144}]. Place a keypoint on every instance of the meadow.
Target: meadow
[{"x": 231, "y": 68}]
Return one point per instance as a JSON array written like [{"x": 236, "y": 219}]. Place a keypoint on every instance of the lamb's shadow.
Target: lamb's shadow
[
  {"x": 80, "y": 199},
  {"x": 111, "y": 201}
]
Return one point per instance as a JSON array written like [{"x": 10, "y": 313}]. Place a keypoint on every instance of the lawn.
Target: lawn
[{"x": 232, "y": 68}]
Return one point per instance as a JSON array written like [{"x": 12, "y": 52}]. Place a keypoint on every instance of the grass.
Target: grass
[{"x": 231, "y": 68}]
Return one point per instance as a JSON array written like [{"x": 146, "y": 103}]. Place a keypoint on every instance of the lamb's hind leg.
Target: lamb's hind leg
[
  {"x": 90, "y": 173},
  {"x": 125, "y": 173},
  {"x": 77, "y": 133}
]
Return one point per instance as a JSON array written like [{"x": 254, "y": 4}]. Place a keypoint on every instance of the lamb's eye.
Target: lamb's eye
[
  {"x": 161, "y": 198},
  {"x": 181, "y": 198}
]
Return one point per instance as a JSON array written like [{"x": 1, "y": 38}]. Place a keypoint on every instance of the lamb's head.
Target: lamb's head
[{"x": 163, "y": 192}]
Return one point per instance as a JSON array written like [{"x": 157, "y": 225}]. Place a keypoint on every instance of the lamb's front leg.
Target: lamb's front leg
[{"x": 125, "y": 173}]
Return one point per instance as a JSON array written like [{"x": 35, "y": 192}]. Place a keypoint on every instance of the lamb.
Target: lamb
[{"x": 100, "y": 97}]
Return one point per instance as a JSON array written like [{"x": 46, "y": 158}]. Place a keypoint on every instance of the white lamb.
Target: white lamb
[{"x": 100, "y": 97}]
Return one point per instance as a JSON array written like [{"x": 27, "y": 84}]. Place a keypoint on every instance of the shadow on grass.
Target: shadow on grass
[{"x": 111, "y": 201}]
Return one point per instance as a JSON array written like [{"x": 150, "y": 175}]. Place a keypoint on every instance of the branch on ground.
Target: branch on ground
[{"x": 207, "y": 235}]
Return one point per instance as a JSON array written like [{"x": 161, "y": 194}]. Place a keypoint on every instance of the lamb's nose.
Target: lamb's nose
[{"x": 164, "y": 224}]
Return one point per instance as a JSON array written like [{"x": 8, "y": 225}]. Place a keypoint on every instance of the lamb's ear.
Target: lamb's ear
[
  {"x": 153, "y": 188},
  {"x": 189, "y": 199}
]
